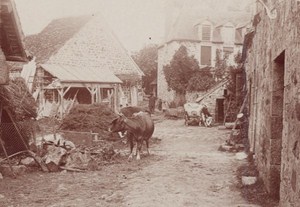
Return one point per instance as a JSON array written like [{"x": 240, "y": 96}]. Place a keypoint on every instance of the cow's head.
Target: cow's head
[{"x": 118, "y": 124}]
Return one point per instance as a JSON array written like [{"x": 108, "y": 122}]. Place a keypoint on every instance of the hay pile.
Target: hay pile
[
  {"x": 86, "y": 118},
  {"x": 18, "y": 100},
  {"x": 20, "y": 107}
]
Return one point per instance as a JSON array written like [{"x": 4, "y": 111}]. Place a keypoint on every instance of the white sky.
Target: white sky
[{"x": 133, "y": 21}]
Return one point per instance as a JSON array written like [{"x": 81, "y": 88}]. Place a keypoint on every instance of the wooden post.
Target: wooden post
[
  {"x": 61, "y": 105},
  {"x": 62, "y": 93},
  {"x": 93, "y": 91},
  {"x": 98, "y": 95},
  {"x": 116, "y": 99}
]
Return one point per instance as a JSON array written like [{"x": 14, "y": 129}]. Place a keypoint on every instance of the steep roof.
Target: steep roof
[
  {"x": 54, "y": 36},
  {"x": 73, "y": 74},
  {"x": 82, "y": 42},
  {"x": 11, "y": 34},
  {"x": 185, "y": 25}
]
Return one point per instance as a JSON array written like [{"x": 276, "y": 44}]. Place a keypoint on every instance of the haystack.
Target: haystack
[
  {"x": 18, "y": 111},
  {"x": 89, "y": 118}
]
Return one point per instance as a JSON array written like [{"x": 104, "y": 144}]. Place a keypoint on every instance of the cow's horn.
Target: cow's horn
[{"x": 121, "y": 114}]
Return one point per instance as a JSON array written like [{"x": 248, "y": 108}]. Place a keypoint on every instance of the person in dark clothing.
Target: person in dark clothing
[
  {"x": 206, "y": 116},
  {"x": 159, "y": 104},
  {"x": 152, "y": 100}
]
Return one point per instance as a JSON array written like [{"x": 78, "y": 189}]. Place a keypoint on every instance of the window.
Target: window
[
  {"x": 205, "y": 55},
  {"x": 206, "y": 32}
]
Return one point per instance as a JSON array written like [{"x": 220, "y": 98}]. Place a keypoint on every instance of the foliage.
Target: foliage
[
  {"x": 146, "y": 59},
  {"x": 202, "y": 80},
  {"x": 232, "y": 71},
  {"x": 221, "y": 64},
  {"x": 180, "y": 70}
]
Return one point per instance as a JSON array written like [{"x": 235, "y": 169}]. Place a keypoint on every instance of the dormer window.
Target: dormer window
[
  {"x": 228, "y": 33},
  {"x": 206, "y": 32},
  {"x": 205, "y": 29}
]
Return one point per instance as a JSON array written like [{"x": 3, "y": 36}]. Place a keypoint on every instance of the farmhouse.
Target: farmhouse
[{"x": 203, "y": 36}]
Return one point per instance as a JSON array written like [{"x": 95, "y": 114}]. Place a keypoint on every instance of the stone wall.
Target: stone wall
[
  {"x": 273, "y": 77},
  {"x": 210, "y": 101}
]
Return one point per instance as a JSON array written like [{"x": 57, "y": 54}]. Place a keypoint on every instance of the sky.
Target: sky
[{"x": 136, "y": 23}]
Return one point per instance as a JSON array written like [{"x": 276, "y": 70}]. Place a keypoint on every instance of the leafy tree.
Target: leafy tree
[
  {"x": 180, "y": 70},
  {"x": 146, "y": 59},
  {"x": 202, "y": 80},
  {"x": 221, "y": 64}
]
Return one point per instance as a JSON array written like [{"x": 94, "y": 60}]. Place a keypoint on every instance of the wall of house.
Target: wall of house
[
  {"x": 210, "y": 101},
  {"x": 165, "y": 55},
  {"x": 273, "y": 78}
]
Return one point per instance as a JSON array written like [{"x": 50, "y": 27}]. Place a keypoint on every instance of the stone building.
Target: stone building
[
  {"x": 86, "y": 43},
  {"x": 203, "y": 35},
  {"x": 273, "y": 82},
  {"x": 11, "y": 39}
]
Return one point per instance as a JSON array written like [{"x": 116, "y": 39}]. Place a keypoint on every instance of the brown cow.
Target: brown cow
[{"x": 140, "y": 127}]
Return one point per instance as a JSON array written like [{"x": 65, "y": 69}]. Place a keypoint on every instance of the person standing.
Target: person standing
[{"x": 151, "y": 105}]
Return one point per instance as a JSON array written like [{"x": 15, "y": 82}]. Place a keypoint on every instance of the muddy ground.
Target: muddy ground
[{"x": 185, "y": 169}]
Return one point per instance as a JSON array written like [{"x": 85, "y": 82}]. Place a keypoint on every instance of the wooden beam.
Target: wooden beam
[
  {"x": 84, "y": 85},
  {"x": 116, "y": 101},
  {"x": 65, "y": 91},
  {"x": 93, "y": 91}
]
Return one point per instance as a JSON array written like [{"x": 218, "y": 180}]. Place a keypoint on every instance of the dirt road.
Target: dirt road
[
  {"x": 185, "y": 169},
  {"x": 192, "y": 172}
]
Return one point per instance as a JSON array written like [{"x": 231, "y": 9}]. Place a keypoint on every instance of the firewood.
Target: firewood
[{"x": 39, "y": 161}]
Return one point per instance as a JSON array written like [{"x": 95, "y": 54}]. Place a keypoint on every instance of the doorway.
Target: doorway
[
  {"x": 220, "y": 110},
  {"x": 277, "y": 122}
]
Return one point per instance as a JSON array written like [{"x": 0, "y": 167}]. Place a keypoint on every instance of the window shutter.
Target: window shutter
[
  {"x": 205, "y": 55},
  {"x": 206, "y": 32}
]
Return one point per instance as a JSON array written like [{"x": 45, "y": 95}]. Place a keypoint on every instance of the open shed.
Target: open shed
[{"x": 64, "y": 85}]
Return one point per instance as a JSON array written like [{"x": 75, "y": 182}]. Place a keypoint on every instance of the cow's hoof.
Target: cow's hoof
[{"x": 130, "y": 157}]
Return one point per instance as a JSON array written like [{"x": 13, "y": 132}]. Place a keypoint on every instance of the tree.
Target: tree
[
  {"x": 221, "y": 64},
  {"x": 179, "y": 72},
  {"x": 146, "y": 59},
  {"x": 202, "y": 80}
]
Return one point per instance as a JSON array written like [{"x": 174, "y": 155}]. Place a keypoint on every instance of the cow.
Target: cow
[
  {"x": 128, "y": 111},
  {"x": 139, "y": 127}
]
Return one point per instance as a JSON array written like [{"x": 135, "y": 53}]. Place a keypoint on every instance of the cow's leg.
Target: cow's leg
[
  {"x": 130, "y": 139},
  {"x": 138, "y": 149},
  {"x": 147, "y": 145}
]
